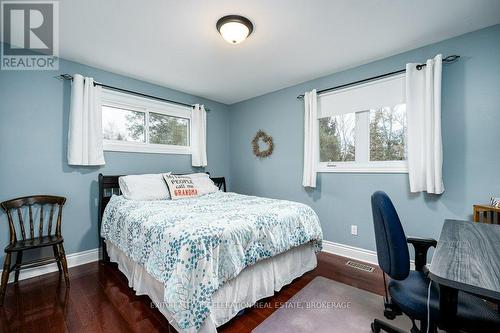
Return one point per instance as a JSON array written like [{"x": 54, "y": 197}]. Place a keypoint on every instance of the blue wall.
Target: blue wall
[
  {"x": 34, "y": 120},
  {"x": 34, "y": 110},
  {"x": 471, "y": 140}
]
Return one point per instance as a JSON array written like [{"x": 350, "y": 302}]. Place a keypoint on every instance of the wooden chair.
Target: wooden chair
[{"x": 35, "y": 205}]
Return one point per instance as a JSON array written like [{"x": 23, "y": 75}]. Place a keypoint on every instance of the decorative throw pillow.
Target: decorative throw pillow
[{"x": 180, "y": 186}]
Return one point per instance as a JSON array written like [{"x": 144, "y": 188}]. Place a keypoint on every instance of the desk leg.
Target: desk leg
[{"x": 448, "y": 308}]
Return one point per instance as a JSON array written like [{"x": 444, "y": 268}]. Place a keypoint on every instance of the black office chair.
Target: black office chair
[{"x": 408, "y": 290}]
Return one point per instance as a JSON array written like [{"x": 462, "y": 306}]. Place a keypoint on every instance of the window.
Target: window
[
  {"x": 138, "y": 124},
  {"x": 337, "y": 138},
  {"x": 363, "y": 128},
  {"x": 388, "y": 133},
  {"x": 120, "y": 124},
  {"x": 167, "y": 130}
]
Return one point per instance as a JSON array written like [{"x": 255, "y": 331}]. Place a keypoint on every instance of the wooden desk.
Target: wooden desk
[
  {"x": 467, "y": 258},
  {"x": 486, "y": 214}
]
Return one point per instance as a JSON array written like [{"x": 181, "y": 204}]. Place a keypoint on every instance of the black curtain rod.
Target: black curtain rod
[
  {"x": 446, "y": 60},
  {"x": 70, "y": 78}
]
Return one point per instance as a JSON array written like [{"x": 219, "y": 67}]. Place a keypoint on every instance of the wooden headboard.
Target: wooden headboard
[{"x": 108, "y": 185}]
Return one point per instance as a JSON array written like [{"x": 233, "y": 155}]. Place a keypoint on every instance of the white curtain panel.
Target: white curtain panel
[
  {"x": 311, "y": 140},
  {"x": 423, "y": 106},
  {"x": 85, "y": 141},
  {"x": 199, "y": 136}
]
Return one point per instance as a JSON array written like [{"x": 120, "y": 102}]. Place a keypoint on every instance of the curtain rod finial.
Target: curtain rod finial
[
  {"x": 65, "y": 77},
  {"x": 451, "y": 58}
]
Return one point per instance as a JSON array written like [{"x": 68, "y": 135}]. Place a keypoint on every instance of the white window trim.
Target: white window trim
[
  {"x": 139, "y": 147},
  {"x": 362, "y": 163},
  {"x": 370, "y": 167},
  {"x": 135, "y": 103}
]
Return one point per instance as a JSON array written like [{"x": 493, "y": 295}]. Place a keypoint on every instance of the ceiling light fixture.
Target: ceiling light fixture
[{"x": 234, "y": 28}]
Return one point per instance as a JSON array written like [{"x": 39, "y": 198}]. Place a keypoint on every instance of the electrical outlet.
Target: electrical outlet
[{"x": 354, "y": 230}]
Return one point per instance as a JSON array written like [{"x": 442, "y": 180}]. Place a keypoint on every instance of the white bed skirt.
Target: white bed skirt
[{"x": 252, "y": 284}]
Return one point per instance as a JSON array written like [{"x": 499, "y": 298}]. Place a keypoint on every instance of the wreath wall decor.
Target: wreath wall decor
[{"x": 268, "y": 140}]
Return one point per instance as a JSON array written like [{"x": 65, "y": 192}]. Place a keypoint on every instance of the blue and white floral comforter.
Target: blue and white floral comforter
[{"x": 193, "y": 246}]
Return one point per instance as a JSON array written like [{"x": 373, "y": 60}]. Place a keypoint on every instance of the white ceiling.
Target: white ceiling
[{"x": 174, "y": 43}]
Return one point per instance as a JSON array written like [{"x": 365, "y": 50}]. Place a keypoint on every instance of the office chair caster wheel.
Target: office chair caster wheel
[
  {"x": 375, "y": 329},
  {"x": 389, "y": 314}
]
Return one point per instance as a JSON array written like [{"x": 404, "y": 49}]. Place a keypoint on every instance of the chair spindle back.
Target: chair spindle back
[{"x": 31, "y": 202}]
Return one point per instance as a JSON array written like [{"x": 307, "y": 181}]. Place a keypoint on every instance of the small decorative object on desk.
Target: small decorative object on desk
[{"x": 488, "y": 213}]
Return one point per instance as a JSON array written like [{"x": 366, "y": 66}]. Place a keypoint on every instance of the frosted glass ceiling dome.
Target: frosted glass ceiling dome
[{"x": 234, "y": 28}]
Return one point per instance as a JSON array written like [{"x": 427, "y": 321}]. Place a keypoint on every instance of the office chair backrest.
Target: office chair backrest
[{"x": 392, "y": 250}]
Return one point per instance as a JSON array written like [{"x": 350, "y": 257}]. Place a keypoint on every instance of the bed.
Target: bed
[{"x": 202, "y": 260}]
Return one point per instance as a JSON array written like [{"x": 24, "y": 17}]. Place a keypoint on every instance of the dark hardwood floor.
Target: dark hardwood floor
[{"x": 100, "y": 300}]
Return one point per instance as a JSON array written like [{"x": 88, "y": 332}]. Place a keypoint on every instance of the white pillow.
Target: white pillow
[
  {"x": 144, "y": 187},
  {"x": 203, "y": 183}
]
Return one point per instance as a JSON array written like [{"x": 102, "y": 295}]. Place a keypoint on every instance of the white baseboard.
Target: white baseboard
[
  {"x": 85, "y": 257},
  {"x": 355, "y": 253},
  {"x": 352, "y": 252},
  {"x": 73, "y": 259}
]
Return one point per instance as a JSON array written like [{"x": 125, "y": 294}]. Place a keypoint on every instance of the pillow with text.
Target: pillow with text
[{"x": 180, "y": 186}]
